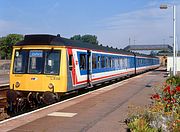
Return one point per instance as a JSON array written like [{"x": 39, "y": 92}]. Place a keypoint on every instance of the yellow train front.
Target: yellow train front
[{"x": 38, "y": 72}]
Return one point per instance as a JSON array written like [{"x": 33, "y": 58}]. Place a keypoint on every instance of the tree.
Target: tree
[
  {"x": 76, "y": 37},
  {"x": 86, "y": 38},
  {"x": 7, "y": 44},
  {"x": 90, "y": 39}
]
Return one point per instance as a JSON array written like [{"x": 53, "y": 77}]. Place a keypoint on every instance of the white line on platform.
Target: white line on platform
[
  {"x": 110, "y": 87},
  {"x": 3, "y": 85},
  {"x": 62, "y": 114}
]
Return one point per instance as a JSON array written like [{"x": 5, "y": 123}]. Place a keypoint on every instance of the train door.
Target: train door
[
  {"x": 89, "y": 68},
  {"x": 72, "y": 80}
]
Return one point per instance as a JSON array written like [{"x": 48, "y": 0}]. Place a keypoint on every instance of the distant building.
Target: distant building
[
  {"x": 160, "y": 51},
  {"x": 170, "y": 63},
  {"x": 164, "y": 47}
]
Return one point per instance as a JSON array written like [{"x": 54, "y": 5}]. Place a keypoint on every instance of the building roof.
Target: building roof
[{"x": 149, "y": 47}]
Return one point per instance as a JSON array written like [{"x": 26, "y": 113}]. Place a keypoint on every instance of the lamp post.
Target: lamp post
[{"x": 174, "y": 36}]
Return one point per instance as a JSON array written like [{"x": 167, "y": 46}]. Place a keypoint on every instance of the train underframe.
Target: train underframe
[{"x": 20, "y": 101}]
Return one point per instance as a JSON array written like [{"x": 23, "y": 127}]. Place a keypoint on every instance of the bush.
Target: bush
[{"x": 164, "y": 112}]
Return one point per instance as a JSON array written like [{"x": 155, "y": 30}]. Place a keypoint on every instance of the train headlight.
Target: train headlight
[
  {"x": 17, "y": 84},
  {"x": 51, "y": 86}
]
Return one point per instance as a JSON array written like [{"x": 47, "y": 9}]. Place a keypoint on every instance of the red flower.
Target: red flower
[
  {"x": 173, "y": 92},
  {"x": 164, "y": 99},
  {"x": 155, "y": 96},
  {"x": 178, "y": 88},
  {"x": 167, "y": 89}
]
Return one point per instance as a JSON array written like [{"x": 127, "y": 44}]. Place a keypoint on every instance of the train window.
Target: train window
[
  {"x": 113, "y": 63},
  {"x": 110, "y": 62},
  {"x": 119, "y": 63},
  {"x": 83, "y": 62},
  {"x": 125, "y": 63},
  {"x": 99, "y": 62},
  {"x": 52, "y": 62},
  {"x": 20, "y": 61},
  {"x": 35, "y": 61},
  {"x": 107, "y": 62},
  {"x": 102, "y": 61},
  {"x": 94, "y": 65},
  {"x": 116, "y": 63}
]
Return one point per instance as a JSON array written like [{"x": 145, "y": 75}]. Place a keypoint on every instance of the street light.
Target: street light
[{"x": 163, "y": 6}]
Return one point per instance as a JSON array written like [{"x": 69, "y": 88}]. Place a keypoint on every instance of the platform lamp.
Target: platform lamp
[{"x": 164, "y": 6}]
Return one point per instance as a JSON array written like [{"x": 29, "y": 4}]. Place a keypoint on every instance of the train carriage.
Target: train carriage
[{"x": 45, "y": 66}]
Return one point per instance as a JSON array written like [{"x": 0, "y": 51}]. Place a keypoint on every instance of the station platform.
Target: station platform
[{"x": 103, "y": 110}]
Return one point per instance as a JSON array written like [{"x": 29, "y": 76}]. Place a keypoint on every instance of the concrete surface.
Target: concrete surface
[
  {"x": 101, "y": 111},
  {"x": 4, "y": 79}
]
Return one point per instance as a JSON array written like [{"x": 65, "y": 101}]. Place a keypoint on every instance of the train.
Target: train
[{"x": 44, "y": 67}]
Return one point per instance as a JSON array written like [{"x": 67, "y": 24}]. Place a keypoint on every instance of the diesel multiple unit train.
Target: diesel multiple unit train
[{"x": 45, "y": 66}]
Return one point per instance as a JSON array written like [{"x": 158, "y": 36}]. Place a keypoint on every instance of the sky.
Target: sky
[{"x": 116, "y": 23}]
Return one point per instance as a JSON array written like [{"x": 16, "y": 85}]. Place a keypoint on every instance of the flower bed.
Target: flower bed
[{"x": 164, "y": 112}]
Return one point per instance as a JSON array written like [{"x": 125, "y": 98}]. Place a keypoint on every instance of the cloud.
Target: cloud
[{"x": 145, "y": 26}]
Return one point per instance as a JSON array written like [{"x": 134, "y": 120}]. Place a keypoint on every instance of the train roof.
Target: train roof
[{"x": 44, "y": 39}]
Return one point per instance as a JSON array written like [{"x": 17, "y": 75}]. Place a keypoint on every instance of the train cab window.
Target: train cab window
[
  {"x": 83, "y": 62},
  {"x": 52, "y": 62},
  {"x": 94, "y": 65},
  {"x": 35, "y": 61},
  {"x": 20, "y": 61}
]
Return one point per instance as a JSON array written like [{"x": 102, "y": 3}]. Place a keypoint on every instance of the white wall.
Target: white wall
[{"x": 170, "y": 63}]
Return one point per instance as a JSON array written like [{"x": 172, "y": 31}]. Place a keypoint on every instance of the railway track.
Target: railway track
[{"x": 3, "y": 102}]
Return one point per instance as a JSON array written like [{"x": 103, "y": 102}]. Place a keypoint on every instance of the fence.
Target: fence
[{"x": 5, "y": 66}]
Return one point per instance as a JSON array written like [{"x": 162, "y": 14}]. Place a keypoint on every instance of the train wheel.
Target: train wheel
[
  {"x": 49, "y": 98},
  {"x": 21, "y": 105}
]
